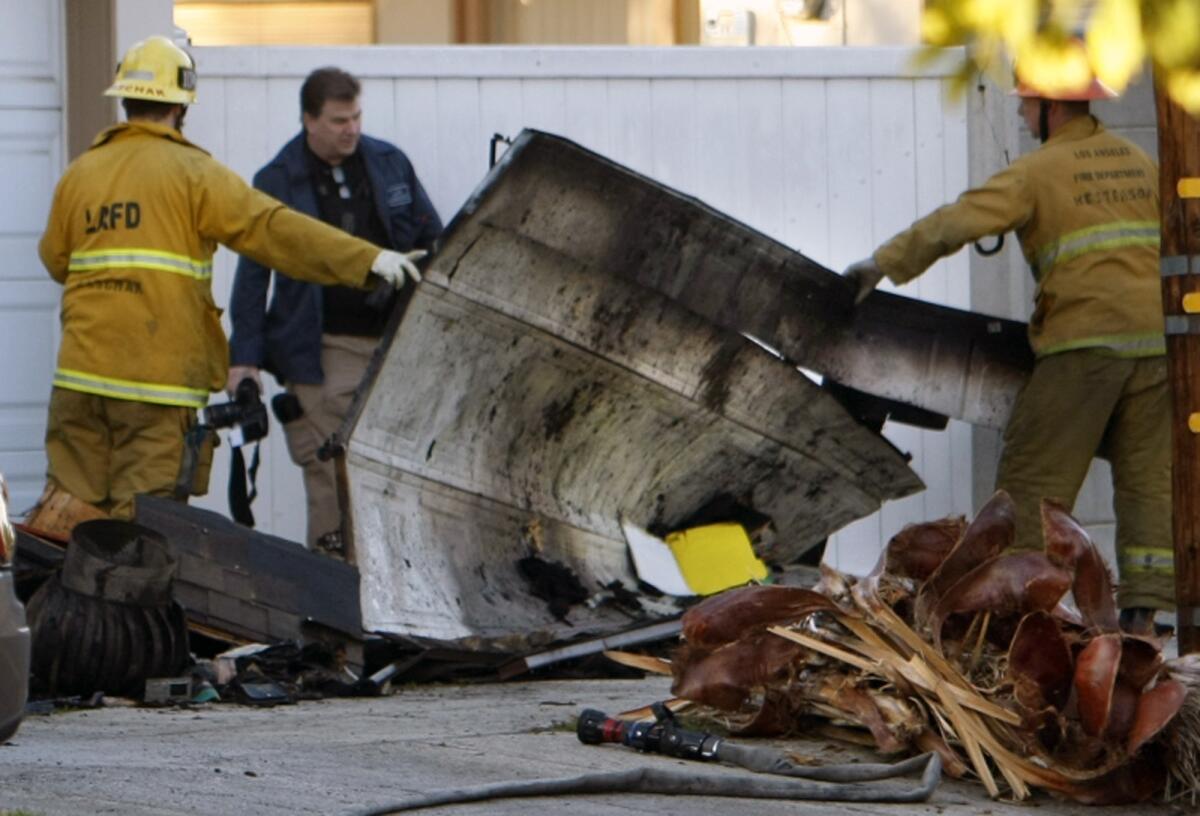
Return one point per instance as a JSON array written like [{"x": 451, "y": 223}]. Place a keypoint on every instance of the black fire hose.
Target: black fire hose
[{"x": 830, "y": 783}]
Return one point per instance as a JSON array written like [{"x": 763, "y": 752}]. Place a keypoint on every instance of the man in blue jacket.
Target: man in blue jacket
[{"x": 317, "y": 340}]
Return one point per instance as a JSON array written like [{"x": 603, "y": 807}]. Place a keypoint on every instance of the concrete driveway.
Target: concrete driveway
[{"x": 337, "y": 756}]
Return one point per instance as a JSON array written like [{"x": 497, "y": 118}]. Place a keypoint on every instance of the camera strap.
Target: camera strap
[
  {"x": 240, "y": 498},
  {"x": 193, "y": 442}
]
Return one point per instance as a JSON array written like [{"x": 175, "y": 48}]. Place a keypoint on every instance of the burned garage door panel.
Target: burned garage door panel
[
  {"x": 651, "y": 336},
  {"x": 497, "y": 407},
  {"x": 441, "y": 562},
  {"x": 610, "y": 219},
  {"x": 955, "y": 363},
  {"x": 527, "y": 403}
]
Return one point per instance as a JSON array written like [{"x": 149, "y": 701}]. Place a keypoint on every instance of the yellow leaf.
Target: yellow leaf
[
  {"x": 983, "y": 14},
  {"x": 1068, "y": 15},
  {"x": 1114, "y": 42},
  {"x": 1174, "y": 32},
  {"x": 936, "y": 28},
  {"x": 1184, "y": 87},
  {"x": 1018, "y": 24}
]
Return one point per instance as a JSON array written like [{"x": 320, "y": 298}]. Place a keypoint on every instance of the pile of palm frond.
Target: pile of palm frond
[{"x": 1010, "y": 665}]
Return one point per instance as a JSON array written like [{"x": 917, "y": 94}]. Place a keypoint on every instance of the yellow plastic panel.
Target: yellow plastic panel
[{"x": 716, "y": 557}]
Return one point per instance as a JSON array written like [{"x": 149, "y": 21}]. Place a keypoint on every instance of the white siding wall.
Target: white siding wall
[
  {"x": 31, "y": 150},
  {"x": 829, "y": 150}
]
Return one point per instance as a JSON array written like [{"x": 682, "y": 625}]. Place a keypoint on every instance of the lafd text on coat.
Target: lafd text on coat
[{"x": 117, "y": 215}]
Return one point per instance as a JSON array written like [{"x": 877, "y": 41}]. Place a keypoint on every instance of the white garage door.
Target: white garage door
[{"x": 31, "y": 152}]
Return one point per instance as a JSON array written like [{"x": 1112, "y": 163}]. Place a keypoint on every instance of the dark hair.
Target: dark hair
[
  {"x": 324, "y": 84},
  {"x": 146, "y": 108}
]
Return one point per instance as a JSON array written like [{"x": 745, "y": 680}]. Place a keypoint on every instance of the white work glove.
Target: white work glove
[
  {"x": 239, "y": 373},
  {"x": 394, "y": 266},
  {"x": 865, "y": 276}
]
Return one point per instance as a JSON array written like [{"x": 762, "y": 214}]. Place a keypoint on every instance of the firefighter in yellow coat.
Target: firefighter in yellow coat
[
  {"x": 131, "y": 235},
  {"x": 1085, "y": 209}
]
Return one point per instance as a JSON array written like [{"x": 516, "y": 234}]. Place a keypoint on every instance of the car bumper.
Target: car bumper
[{"x": 14, "y": 657}]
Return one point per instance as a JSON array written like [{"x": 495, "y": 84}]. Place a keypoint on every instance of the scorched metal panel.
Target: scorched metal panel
[{"x": 530, "y": 400}]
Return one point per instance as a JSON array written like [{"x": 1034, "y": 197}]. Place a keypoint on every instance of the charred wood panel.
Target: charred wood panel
[{"x": 251, "y": 585}]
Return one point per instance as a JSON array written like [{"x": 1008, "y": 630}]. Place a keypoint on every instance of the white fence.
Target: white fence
[
  {"x": 830, "y": 151},
  {"x": 31, "y": 150}
]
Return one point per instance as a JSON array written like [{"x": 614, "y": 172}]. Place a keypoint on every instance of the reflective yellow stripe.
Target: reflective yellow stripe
[
  {"x": 1113, "y": 235},
  {"x": 130, "y": 390},
  {"x": 140, "y": 259},
  {"x": 1152, "y": 344},
  {"x": 1147, "y": 559}
]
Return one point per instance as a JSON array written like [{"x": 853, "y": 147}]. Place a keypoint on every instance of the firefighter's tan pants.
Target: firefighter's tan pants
[
  {"x": 344, "y": 360},
  {"x": 105, "y": 451},
  {"x": 1085, "y": 403}
]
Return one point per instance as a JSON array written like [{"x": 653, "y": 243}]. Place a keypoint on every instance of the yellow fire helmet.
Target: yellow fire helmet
[
  {"x": 156, "y": 70},
  {"x": 1085, "y": 89},
  {"x": 1093, "y": 90}
]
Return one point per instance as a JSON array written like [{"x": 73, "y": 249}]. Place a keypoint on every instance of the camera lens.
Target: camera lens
[{"x": 222, "y": 415}]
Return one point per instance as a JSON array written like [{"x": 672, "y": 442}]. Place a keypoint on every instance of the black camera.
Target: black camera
[
  {"x": 245, "y": 413},
  {"x": 287, "y": 408}
]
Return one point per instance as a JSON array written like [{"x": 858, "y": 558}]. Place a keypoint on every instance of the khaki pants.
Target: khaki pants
[
  {"x": 105, "y": 451},
  {"x": 1081, "y": 404},
  {"x": 344, "y": 360}
]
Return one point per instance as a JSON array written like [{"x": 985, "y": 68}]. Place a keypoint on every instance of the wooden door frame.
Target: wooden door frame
[{"x": 90, "y": 60}]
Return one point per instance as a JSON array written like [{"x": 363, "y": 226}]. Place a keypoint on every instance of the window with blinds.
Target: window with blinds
[
  {"x": 439, "y": 22},
  {"x": 304, "y": 22}
]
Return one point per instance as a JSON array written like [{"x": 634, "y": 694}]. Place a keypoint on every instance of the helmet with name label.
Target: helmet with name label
[
  {"x": 156, "y": 70},
  {"x": 1061, "y": 72},
  {"x": 1093, "y": 90}
]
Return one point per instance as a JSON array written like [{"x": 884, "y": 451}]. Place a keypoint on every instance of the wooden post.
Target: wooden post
[
  {"x": 471, "y": 23},
  {"x": 1179, "y": 192},
  {"x": 686, "y": 14}
]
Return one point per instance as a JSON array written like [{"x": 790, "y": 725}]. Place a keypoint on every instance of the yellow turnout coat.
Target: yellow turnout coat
[
  {"x": 1085, "y": 208},
  {"x": 131, "y": 235}
]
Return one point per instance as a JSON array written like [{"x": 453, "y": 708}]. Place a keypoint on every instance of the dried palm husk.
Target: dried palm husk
[
  {"x": 1182, "y": 735},
  {"x": 647, "y": 663},
  {"x": 1024, "y": 691}
]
